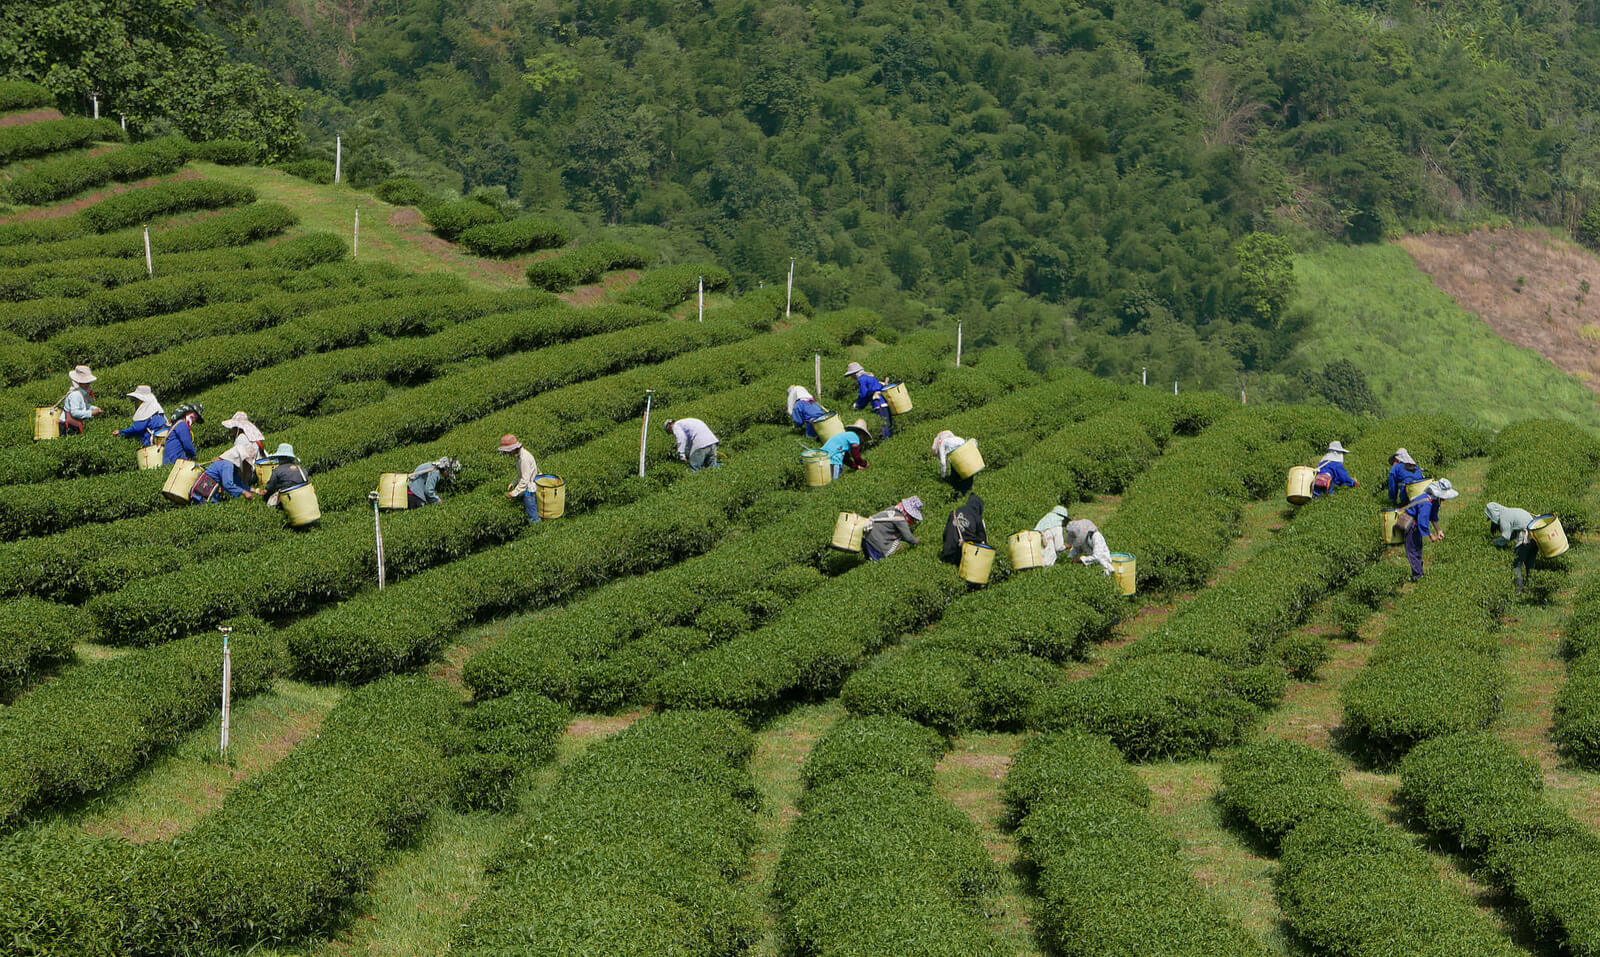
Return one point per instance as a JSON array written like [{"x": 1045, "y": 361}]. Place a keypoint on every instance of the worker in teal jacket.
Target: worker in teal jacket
[
  {"x": 1509, "y": 526},
  {"x": 845, "y": 448}
]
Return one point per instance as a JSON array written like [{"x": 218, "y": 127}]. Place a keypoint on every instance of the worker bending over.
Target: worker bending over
[
  {"x": 1420, "y": 518},
  {"x": 1331, "y": 472},
  {"x": 287, "y": 473},
  {"x": 422, "y": 488},
  {"x": 1403, "y": 470},
  {"x": 248, "y": 446},
  {"x": 889, "y": 529},
  {"x": 1049, "y": 529},
  {"x": 965, "y": 524},
  {"x": 180, "y": 438},
  {"x": 697, "y": 444},
  {"x": 148, "y": 416},
  {"x": 217, "y": 482},
  {"x": 1509, "y": 526},
  {"x": 869, "y": 393},
  {"x": 77, "y": 406},
  {"x": 943, "y": 444},
  {"x": 1087, "y": 544},
  {"x": 804, "y": 409},
  {"x": 845, "y": 448},
  {"x": 527, "y": 471}
]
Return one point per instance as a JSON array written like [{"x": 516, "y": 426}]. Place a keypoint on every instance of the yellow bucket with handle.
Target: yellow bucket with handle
[
  {"x": 977, "y": 561},
  {"x": 300, "y": 504},
  {"x": 1027, "y": 549},
  {"x": 847, "y": 531},
  {"x": 263, "y": 472},
  {"x": 819, "y": 468},
  {"x": 1298, "y": 491},
  {"x": 392, "y": 490},
  {"x": 46, "y": 423},
  {"x": 898, "y": 398},
  {"x": 1391, "y": 532},
  {"x": 1413, "y": 489},
  {"x": 180, "y": 481},
  {"x": 828, "y": 426},
  {"x": 966, "y": 460},
  {"x": 550, "y": 495},
  {"x": 1126, "y": 569},
  {"x": 149, "y": 457},
  {"x": 1547, "y": 533}
]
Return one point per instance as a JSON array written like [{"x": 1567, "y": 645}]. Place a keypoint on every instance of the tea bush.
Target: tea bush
[
  {"x": 35, "y": 634},
  {"x": 21, "y": 95},
  {"x": 585, "y": 264},
  {"x": 666, "y": 286},
  {"x": 61, "y": 177},
  {"x": 523, "y": 235},
  {"x": 26, "y": 140}
]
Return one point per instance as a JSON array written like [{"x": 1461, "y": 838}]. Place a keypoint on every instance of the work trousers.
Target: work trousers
[
  {"x": 1414, "y": 550},
  {"x": 703, "y": 458}
]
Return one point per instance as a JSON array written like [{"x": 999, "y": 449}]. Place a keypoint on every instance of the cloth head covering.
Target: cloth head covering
[
  {"x": 285, "y": 452},
  {"x": 242, "y": 422},
  {"x": 912, "y": 506},
  {"x": 148, "y": 405},
  {"x": 447, "y": 464},
  {"x": 1401, "y": 455},
  {"x": 853, "y": 368},
  {"x": 796, "y": 394},
  {"x": 509, "y": 443},
  {"x": 195, "y": 407},
  {"x": 82, "y": 375},
  {"x": 939, "y": 439},
  {"x": 1054, "y": 518},
  {"x": 669, "y": 424},
  {"x": 1334, "y": 446},
  {"x": 1492, "y": 511},
  {"x": 1441, "y": 488}
]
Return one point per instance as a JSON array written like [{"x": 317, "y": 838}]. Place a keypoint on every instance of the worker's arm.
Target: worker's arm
[
  {"x": 224, "y": 477},
  {"x": 185, "y": 439},
  {"x": 681, "y": 433}
]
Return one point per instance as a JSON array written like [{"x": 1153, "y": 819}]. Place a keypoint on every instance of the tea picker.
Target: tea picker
[
  {"x": 1087, "y": 544},
  {"x": 180, "y": 438},
  {"x": 804, "y": 409},
  {"x": 959, "y": 460},
  {"x": 869, "y": 394},
  {"x": 1527, "y": 536},
  {"x": 1052, "y": 538},
  {"x": 697, "y": 444},
  {"x": 1419, "y": 519},
  {"x": 148, "y": 416},
  {"x": 964, "y": 525},
  {"x": 527, "y": 472},
  {"x": 423, "y": 486},
  {"x": 1331, "y": 472},
  {"x": 891, "y": 528},
  {"x": 1403, "y": 471},
  {"x": 77, "y": 406},
  {"x": 845, "y": 448}
]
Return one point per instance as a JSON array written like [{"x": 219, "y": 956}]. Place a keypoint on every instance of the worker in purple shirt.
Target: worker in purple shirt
[
  {"x": 697, "y": 444},
  {"x": 869, "y": 394}
]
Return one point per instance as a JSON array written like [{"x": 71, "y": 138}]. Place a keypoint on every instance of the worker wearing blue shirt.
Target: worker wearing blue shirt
[
  {"x": 180, "y": 439},
  {"x": 804, "y": 408},
  {"x": 1403, "y": 470},
  {"x": 148, "y": 419},
  {"x": 869, "y": 393},
  {"x": 77, "y": 406},
  {"x": 423, "y": 486},
  {"x": 1332, "y": 466},
  {"x": 1423, "y": 512},
  {"x": 218, "y": 481},
  {"x": 846, "y": 447}
]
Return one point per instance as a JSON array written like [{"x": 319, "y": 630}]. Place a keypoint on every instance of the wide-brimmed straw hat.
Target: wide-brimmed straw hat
[
  {"x": 236, "y": 421},
  {"x": 82, "y": 375},
  {"x": 1334, "y": 446},
  {"x": 853, "y": 368},
  {"x": 1401, "y": 455},
  {"x": 1441, "y": 488},
  {"x": 509, "y": 443},
  {"x": 142, "y": 393},
  {"x": 859, "y": 427}
]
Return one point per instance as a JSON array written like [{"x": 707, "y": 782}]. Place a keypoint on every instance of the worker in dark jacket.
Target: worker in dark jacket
[
  {"x": 1403, "y": 470},
  {"x": 148, "y": 418},
  {"x": 965, "y": 524},
  {"x": 891, "y": 528},
  {"x": 287, "y": 473},
  {"x": 423, "y": 487},
  {"x": 869, "y": 393},
  {"x": 1421, "y": 518},
  {"x": 180, "y": 438},
  {"x": 1509, "y": 526},
  {"x": 1331, "y": 472}
]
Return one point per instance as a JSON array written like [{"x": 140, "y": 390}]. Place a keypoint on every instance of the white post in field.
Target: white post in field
[
  {"x": 1174, "y": 386},
  {"x": 227, "y": 687},
  {"x": 1144, "y": 375},
  {"x": 149, "y": 264},
  {"x": 338, "y": 159},
  {"x": 816, "y": 359},
  {"x": 95, "y": 99},
  {"x": 958, "y": 343},
  {"x": 702, "y": 299},
  {"x": 124, "y": 117},
  {"x": 355, "y": 236},
  {"x": 377, "y": 531},
  {"x": 788, "y": 299},
  {"x": 644, "y": 429}
]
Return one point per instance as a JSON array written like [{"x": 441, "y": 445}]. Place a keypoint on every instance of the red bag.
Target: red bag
[
  {"x": 1323, "y": 482},
  {"x": 205, "y": 487}
]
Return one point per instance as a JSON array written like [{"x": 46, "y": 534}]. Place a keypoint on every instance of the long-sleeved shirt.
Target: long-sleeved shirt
[
  {"x": 945, "y": 448},
  {"x": 888, "y": 529},
  {"x": 527, "y": 471},
  {"x": 222, "y": 471},
  {"x": 145, "y": 429},
  {"x": 869, "y": 391},
  {"x": 841, "y": 447},
  {"x": 76, "y": 404},
  {"x": 244, "y": 452},
  {"x": 805, "y": 410},
  {"x": 285, "y": 476},
  {"x": 1054, "y": 518},
  {"x": 692, "y": 435},
  {"x": 424, "y": 482},
  {"x": 1401, "y": 474},
  {"x": 1508, "y": 523},
  {"x": 1425, "y": 509},
  {"x": 179, "y": 444},
  {"x": 1087, "y": 544},
  {"x": 1339, "y": 474}
]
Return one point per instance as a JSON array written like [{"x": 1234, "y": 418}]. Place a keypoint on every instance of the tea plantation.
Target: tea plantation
[{"x": 674, "y": 720}]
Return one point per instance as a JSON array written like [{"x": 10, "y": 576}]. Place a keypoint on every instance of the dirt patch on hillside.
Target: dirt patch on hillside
[
  {"x": 1532, "y": 288},
  {"x": 30, "y": 116}
]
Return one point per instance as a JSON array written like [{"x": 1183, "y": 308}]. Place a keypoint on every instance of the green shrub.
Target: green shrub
[
  {"x": 1577, "y": 712},
  {"x": 57, "y": 179},
  {"x": 22, "y": 95},
  {"x": 175, "y": 196},
  {"x": 26, "y": 140},
  {"x": 226, "y": 152},
  {"x": 1272, "y": 786},
  {"x": 35, "y": 634},
  {"x": 893, "y": 747},
  {"x": 310, "y": 170},
  {"x": 483, "y": 782},
  {"x": 515, "y": 236},
  {"x": 401, "y": 191},
  {"x": 450, "y": 220},
  {"x": 239, "y": 227},
  {"x": 523, "y": 726},
  {"x": 585, "y": 264},
  {"x": 661, "y": 289}
]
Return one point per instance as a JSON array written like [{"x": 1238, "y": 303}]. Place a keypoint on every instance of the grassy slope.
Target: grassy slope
[{"x": 1419, "y": 349}]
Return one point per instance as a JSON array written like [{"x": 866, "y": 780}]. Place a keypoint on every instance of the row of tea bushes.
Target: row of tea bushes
[
  {"x": 878, "y": 863},
  {"x": 35, "y": 634},
  {"x": 239, "y": 227},
  {"x": 94, "y": 724},
  {"x": 27, "y": 140},
  {"x": 1576, "y": 726},
  {"x": 637, "y": 849},
  {"x": 63, "y": 176},
  {"x": 665, "y": 287},
  {"x": 127, "y": 209},
  {"x": 21, "y": 95},
  {"x": 1108, "y": 874},
  {"x": 1347, "y": 883},
  {"x": 521, "y": 235},
  {"x": 1478, "y": 792},
  {"x": 585, "y": 264}
]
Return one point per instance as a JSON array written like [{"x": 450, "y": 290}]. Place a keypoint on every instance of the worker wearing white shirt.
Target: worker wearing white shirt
[
  {"x": 697, "y": 444},
  {"x": 527, "y": 471},
  {"x": 1086, "y": 544}
]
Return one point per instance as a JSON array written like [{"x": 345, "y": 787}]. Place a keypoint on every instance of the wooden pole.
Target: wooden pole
[{"x": 644, "y": 429}]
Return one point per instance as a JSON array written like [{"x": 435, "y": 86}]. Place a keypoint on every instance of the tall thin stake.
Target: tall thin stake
[
  {"x": 788, "y": 299},
  {"x": 644, "y": 428},
  {"x": 95, "y": 99},
  {"x": 816, "y": 359},
  {"x": 227, "y": 687},
  {"x": 149, "y": 264},
  {"x": 355, "y": 237},
  {"x": 338, "y": 159},
  {"x": 377, "y": 531},
  {"x": 702, "y": 299},
  {"x": 958, "y": 343}
]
